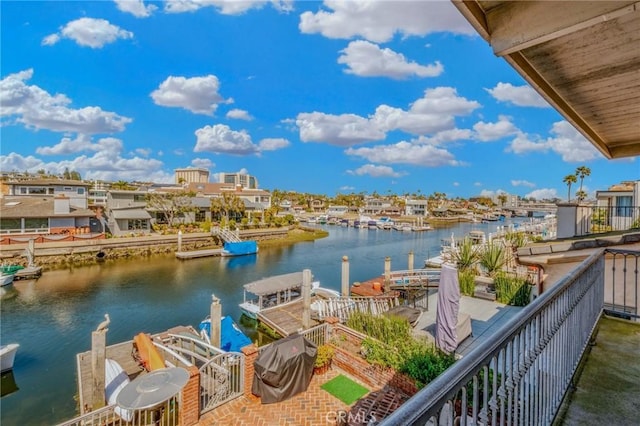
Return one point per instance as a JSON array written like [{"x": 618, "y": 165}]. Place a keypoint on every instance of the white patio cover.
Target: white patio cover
[{"x": 447, "y": 309}]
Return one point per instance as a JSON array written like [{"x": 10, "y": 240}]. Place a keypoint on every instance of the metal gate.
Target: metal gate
[{"x": 221, "y": 380}]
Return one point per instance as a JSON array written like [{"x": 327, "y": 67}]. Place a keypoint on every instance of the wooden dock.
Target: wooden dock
[
  {"x": 193, "y": 254},
  {"x": 285, "y": 319}
]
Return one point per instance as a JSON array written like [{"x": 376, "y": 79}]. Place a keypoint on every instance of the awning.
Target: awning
[
  {"x": 275, "y": 284},
  {"x": 131, "y": 214}
]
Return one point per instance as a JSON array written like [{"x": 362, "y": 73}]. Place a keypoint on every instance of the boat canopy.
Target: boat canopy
[{"x": 275, "y": 284}]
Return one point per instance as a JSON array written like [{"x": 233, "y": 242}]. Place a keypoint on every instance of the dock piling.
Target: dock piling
[
  {"x": 98, "y": 356},
  {"x": 345, "y": 276},
  {"x": 216, "y": 318},
  {"x": 306, "y": 299}
]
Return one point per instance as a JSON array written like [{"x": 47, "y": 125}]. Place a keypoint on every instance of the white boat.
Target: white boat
[
  {"x": 7, "y": 356},
  {"x": 272, "y": 291},
  {"x": 6, "y": 279}
]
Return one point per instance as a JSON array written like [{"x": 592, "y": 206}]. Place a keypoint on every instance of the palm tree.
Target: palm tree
[
  {"x": 582, "y": 172},
  {"x": 569, "y": 179},
  {"x": 581, "y": 195}
]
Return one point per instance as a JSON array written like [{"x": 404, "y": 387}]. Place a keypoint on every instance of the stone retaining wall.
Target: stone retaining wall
[{"x": 61, "y": 254}]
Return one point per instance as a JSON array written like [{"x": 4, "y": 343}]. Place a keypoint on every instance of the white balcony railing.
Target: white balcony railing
[{"x": 521, "y": 373}]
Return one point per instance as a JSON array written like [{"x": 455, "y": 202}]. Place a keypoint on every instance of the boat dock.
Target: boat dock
[
  {"x": 285, "y": 319},
  {"x": 28, "y": 273},
  {"x": 198, "y": 253}
]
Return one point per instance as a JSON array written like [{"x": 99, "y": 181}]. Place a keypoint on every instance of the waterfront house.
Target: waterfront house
[
  {"x": 126, "y": 213},
  {"x": 618, "y": 207},
  {"x": 414, "y": 207},
  {"x": 25, "y": 217},
  {"x": 74, "y": 190}
]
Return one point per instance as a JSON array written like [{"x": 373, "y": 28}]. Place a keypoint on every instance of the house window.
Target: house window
[
  {"x": 37, "y": 191},
  {"x": 10, "y": 224},
  {"x": 623, "y": 206},
  {"x": 36, "y": 223},
  {"x": 80, "y": 191},
  {"x": 137, "y": 224}
]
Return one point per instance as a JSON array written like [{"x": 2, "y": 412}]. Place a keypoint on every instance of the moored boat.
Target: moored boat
[
  {"x": 241, "y": 248},
  {"x": 7, "y": 356},
  {"x": 272, "y": 291},
  {"x": 6, "y": 279}
]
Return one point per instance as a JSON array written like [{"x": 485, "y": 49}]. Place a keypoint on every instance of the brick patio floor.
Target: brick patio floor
[{"x": 315, "y": 407}]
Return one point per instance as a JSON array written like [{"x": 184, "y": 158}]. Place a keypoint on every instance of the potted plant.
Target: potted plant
[{"x": 323, "y": 359}]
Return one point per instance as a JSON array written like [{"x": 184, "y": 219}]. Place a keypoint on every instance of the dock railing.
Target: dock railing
[{"x": 520, "y": 374}]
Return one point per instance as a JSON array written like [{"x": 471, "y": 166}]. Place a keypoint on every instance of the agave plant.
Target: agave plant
[
  {"x": 466, "y": 255},
  {"x": 492, "y": 257}
]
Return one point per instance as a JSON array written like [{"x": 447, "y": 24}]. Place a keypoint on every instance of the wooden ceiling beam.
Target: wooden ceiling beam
[{"x": 517, "y": 25}]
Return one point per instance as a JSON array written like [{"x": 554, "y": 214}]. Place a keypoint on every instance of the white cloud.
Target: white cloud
[
  {"x": 340, "y": 130},
  {"x": 136, "y": 7},
  {"x": 523, "y": 96},
  {"x": 523, "y": 183},
  {"x": 543, "y": 194},
  {"x": 69, "y": 146},
  {"x": 239, "y": 114},
  {"x": 347, "y": 188},
  {"x": 434, "y": 112},
  {"x": 494, "y": 131},
  {"x": 91, "y": 32},
  {"x": 203, "y": 163},
  {"x": 220, "y": 139},
  {"x": 379, "y": 21},
  {"x": 522, "y": 144},
  {"x": 197, "y": 94},
  {"x": 375, "y": 171},
  {"x": 567, "y": 142},
  {"x": 570, "y": 144},
  {"x": 225, "y": 7},
  {"x": 406, "y": 153},
  {"x": 36, "y": 108},
  {"x": 273, "y": 144},
  {"x": 366, "y": 59},
  {"x": 105, "y": 163}
]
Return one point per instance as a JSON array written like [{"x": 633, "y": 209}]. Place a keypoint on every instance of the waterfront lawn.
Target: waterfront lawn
[{"x": 345, "y": 389}]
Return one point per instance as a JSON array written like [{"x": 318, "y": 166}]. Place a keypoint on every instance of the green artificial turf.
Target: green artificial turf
[{"x": 345, "y": 389}]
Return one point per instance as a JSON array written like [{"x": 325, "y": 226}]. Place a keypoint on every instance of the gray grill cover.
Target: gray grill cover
[{"x": 284, "y": 369}]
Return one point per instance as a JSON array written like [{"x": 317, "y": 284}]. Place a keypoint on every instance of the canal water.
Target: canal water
[{"x": 52, "y": 317}]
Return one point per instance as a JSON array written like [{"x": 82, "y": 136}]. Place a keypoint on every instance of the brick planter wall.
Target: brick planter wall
[
  {"x": 355, "y": 365},
  {"x": 190, "y": 399}
]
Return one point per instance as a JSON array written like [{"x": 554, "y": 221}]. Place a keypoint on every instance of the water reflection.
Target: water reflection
[{"x": 8, "y": 383}]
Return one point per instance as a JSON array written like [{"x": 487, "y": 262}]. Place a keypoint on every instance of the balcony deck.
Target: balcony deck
[{"x": 608, "y": 389}]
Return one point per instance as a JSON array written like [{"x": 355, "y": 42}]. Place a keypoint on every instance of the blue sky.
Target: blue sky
[{"x": 321, "y": 97}]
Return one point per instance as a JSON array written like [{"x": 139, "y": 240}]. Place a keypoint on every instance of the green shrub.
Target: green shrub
[
  {"x": 467, "y": 280},
  {"x": 466, "y": 255},
  {"x": 426, "y": 364},
  {"x": 391, "y": 344},
  {"x": 492, "y": 257},
  {"x": 387, "y": 329},
  {"x": 512, "y": 290}
]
